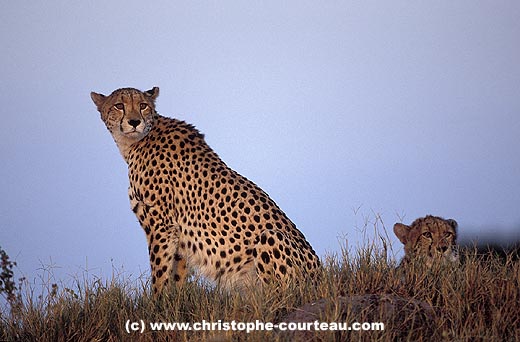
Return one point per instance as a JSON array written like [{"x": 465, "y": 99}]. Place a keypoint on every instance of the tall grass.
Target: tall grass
[{"x": 477, "y": 300}]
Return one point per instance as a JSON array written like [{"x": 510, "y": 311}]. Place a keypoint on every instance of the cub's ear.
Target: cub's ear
[
  {"x": 99, "y": 99},
  {"x": 453, "y": 224},
  {"x": 153, "y": 93},
  {"x": 402, "y": 231}
]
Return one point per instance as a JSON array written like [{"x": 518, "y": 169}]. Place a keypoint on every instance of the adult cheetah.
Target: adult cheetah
[
  {"x": 430, "y": 238},
  {"x": 195, "y": 210}
]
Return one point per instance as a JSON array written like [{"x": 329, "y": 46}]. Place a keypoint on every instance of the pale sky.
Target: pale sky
[{"x": 340, "y": 110}]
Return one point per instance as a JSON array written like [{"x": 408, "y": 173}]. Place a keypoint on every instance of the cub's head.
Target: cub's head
[
  {"x": 128, "y": 113},
  {"x": 429, "y": 238}
]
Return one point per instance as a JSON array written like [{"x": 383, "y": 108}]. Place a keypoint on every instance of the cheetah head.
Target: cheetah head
[
  {"x": 430, "y": 238},
  {"x": 128, "y": 113}
]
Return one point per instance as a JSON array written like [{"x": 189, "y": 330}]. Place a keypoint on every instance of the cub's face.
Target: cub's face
[
  {"x": 128, "y": 113},
  {"x": 430, "y": 238}
]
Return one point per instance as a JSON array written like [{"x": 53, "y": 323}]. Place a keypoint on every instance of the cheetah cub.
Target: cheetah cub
[
  {"x": 429, "y": 238},
  {"x": 195, "y": 210}
]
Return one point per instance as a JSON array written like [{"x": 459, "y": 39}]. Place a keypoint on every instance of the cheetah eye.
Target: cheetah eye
[
  {"x": 427, "y": 235},
  {"x": 448, "y": 234},
  {"x": 143, "y": 106},
  {"x": 119, "y": 106}
]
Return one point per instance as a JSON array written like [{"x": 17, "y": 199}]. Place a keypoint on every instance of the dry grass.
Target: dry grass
[{"x": 477, "y": 300}]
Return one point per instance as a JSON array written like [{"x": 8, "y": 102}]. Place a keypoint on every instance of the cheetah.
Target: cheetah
[
  {"x": 429, "y": 238},
  {"x": 195, "y": 210}
]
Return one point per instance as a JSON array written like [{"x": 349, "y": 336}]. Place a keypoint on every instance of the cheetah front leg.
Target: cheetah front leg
[
  {"x": 163, "y": 241},
  {"x": 165, "y": 260}
]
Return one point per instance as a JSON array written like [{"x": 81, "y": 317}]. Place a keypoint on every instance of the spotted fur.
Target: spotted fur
[{"x": 195, "y": 210}]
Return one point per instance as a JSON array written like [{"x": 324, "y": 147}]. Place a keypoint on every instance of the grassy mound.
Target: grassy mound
[{"x": 477, "y": 300}]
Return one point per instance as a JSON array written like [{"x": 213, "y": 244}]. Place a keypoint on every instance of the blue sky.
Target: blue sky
[{"x": 341, "y": 110}]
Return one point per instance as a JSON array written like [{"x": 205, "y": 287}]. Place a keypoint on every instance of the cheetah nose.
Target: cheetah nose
[
  {"x": 443, "y": 249},
  {"x": 134, "y": 123}
]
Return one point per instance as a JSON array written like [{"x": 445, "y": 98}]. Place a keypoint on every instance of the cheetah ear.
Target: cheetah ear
[
  {"x": 453, "y": 224},
  {"x": 402, "y": 231},
  {"x": 153, "y": 93},
  {"x": 99, "y": 99}
]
